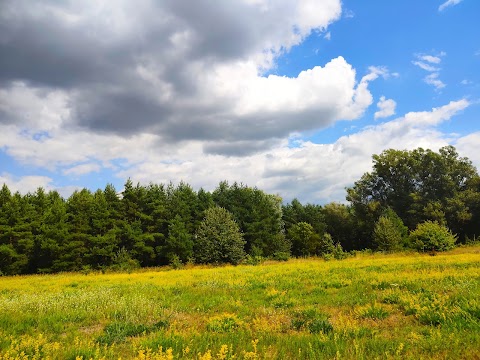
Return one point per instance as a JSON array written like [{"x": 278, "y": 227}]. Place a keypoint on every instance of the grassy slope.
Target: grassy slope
[{"x": 385, "y": 306}]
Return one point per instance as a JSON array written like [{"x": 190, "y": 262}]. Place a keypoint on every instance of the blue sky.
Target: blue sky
[{"x": 292, "y": 97}]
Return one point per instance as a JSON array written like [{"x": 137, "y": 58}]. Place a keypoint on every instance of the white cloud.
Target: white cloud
[
  {"x": 38, "y": 128},
  {"x": 386, "y": 108},
  {"x": 425, "y": 66},
  {"x": 82, "y": 169},
  {"x": 431, "y": 59},
  {"x": 25, "y": 184},
  {"x": 449, "y": 3},
  {"x": 466, "y": 82},
  {"x": 180, "y": 79},
  {"x": 433, "y": 80},
  {"x": 348, "y": 14},
  {"x": 328, "y": 35},
  {"x": 424, "y": 62},
  {"x": 311, "y": 172},
  {"x": 468, "y": 146}
]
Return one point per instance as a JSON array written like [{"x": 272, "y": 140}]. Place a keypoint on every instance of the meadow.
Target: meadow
[{"x": 397, "y": 306}]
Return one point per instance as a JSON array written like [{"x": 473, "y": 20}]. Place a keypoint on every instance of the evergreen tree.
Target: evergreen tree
[
  {"x": 386, "y": 235},
  {"x": 179, "y": 242},
  {"x": 259, "y": 216},
  {"x": 218, "y": 238}
]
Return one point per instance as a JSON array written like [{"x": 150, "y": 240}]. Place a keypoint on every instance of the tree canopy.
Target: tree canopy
[
  {"x": 433, "y": 195},
  {"x": 419, "y": 185}
]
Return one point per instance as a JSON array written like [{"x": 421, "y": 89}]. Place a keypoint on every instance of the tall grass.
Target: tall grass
[{"x": 404, "y": 306}]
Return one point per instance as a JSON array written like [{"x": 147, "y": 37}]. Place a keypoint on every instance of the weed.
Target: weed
[
  {"x": 372, "y": 311},
  {"x": 223, "y": 323}
]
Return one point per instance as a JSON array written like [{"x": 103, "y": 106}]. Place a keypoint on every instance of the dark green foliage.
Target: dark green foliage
[
  {"x": 419, "y": 185},
  {"x": 305, "y": 242},
  {"x": 281, "y": 256},
  {"x": 340, "y": 224},
  {"x": 122, "y": 261},
  {"x": 218, "y": 239},
  {"x": 312, "y": 322},
  {"x": 389, "y": 233},
  {"x": 41, "y": 232},
  {"x": 259, "y": 216},
  {"x": 431, "y": 236},
  {"x": 326, "y": 245},
  {"x": 117, "y": 332},
  {"x": 179, "y": 242},
  {"x": 338, "y": 252}
]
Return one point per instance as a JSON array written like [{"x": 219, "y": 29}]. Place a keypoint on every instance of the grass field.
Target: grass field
[{"x": 365, "y": 307}]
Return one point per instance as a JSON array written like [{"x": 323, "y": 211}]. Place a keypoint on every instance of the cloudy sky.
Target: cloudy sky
[{"x": 291, "y": 96}]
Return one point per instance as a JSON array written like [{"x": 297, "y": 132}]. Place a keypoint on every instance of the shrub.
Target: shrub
[
  {"x": 175, "y": 262},
  {"x": 281, "y": 256},
  {"x": 431, "y": 236},
  {"x": 254, "y": 260},
  {"x": 122, "y": 261},
  {"x": 311, "y": 321},
  {"x": 338, "y": 252},
  {"x": 223, "y": 323},
  {"x": 373, "y": 311}
]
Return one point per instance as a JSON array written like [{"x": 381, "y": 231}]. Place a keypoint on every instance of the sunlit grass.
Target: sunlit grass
[{"x": 369, "y": 306}]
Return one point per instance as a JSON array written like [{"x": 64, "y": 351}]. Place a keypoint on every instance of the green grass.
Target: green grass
[{"x": 404, "y": 306}]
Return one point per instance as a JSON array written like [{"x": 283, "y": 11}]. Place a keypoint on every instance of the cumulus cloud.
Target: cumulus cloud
[
  {"x": 468, "y": 146},
  {"x": 170, "y": 91},
  {"x": 177, "y": 71},
  {"x": 82, "y": 169},
  {"x": 25, "y": 184},
  {"x": 311, "y": 172},
  {"x": 386, "y": 108},
  {"x": 448, "y": 3}
]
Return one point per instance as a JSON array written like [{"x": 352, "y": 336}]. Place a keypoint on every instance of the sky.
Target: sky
[{"x": 293, "y": 97}]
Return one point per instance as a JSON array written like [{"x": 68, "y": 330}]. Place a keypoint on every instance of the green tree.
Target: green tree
[
  {"x": 418, "y": 185},
  {"x": 340, "y": 224},
  {"x": 431, "y": 236},
  {"x": 326, "y": 245},
  {"x": 389, "y": 233},
  {"x": 295, "y": 212},
  {"x": 53, "y": 235},
  {"x": 75, "y": 249},
  {"x": 218, "y": 238},
  {"x": 259, "y": 216},
  {"x": 305, "y": 242},
  {"x": 386, "y": 235},
  {"x": 179, "y": 242}
]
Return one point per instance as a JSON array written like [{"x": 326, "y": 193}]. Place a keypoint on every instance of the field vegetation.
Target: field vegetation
[{"x": 367, "y": 306}]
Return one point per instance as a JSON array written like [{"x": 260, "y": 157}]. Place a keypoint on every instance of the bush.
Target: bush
[
  {"x": 254, "y": 260},
  {"x": 431, "y": 236},
  {"x": 311, "y": 321},
  {"x": 338, "y": 252},
  {"x": 175, "y": 262},
  {"x": 122, "y": 261},
  {"x": 281, "y": 256}
]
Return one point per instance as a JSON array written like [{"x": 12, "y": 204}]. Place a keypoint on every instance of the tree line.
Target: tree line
[{"x": 411, "y": 199}]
